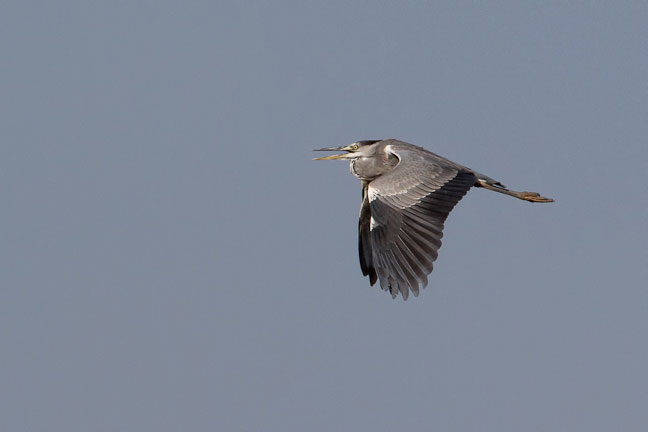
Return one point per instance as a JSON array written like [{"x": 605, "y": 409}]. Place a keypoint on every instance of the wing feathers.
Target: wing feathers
[{"x": 409, "y": 207}]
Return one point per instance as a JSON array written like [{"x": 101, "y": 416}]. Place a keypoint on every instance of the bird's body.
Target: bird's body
[{"x": 408, "y": 193}]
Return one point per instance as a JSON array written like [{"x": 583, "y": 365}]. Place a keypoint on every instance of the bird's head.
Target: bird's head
[{"x": 353, "y": 151}]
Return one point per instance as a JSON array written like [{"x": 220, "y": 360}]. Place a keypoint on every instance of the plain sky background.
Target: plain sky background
[{"x": 172, "y": 259}]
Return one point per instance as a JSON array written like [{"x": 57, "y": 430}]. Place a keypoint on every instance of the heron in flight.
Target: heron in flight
[{"x": 407, "y": 194}]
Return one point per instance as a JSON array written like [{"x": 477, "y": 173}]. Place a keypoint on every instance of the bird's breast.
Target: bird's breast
[
  {"x": 370, "y": 168},
  {"x": 361, "y": 169},
  {"x": 353, "y": 168}
]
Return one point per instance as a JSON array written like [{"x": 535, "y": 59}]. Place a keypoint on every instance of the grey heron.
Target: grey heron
[{"x": 407, "y": 194}]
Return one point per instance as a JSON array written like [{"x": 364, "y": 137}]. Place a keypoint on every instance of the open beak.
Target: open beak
[{"x": 337, "y": 156}]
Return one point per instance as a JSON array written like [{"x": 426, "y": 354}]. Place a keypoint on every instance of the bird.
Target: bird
[{"x": 407, "y": 194}]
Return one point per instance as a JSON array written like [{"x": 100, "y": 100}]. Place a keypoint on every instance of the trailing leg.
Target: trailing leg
[{"x": 498, "y": 187}]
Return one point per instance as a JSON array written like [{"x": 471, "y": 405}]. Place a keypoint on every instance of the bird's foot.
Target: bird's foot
[{"x": 534, "y": 197}]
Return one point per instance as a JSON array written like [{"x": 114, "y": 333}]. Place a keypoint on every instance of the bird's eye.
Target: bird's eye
[{"x": 355, "y": 147}]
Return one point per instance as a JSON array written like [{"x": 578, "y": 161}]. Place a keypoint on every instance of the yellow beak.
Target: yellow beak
[
  {"x": 332, "y": 157},
  {"x": 337, "y": 156}
]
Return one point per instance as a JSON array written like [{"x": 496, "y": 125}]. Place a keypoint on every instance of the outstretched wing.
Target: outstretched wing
[{"x": 402, "y": 217}]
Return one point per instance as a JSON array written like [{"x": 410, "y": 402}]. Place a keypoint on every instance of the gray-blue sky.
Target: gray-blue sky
[{"x": 173, "y": 260}]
